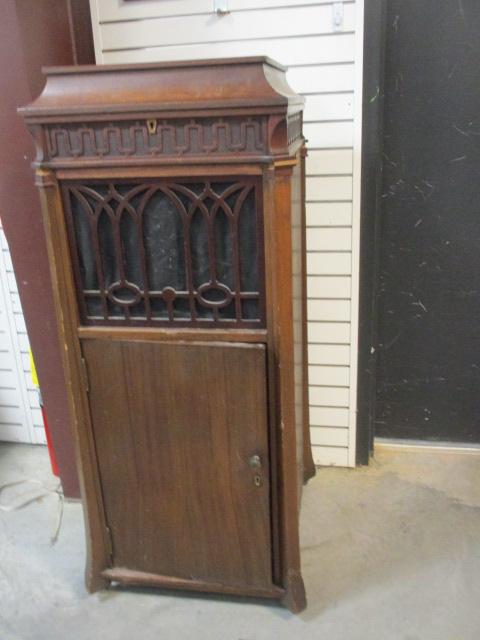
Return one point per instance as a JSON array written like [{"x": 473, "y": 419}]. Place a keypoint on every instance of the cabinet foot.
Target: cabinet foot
[
  {"x": 308, "y": 472},
  {"x": 96, "y": 582},
  {"x": 294, "y": 599}
]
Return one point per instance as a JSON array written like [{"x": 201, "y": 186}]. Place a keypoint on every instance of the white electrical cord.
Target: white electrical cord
[{"x": 23, "y": 502}]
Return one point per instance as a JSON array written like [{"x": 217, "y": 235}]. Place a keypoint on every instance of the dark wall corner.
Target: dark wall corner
[{"x": 373, "y": 81}]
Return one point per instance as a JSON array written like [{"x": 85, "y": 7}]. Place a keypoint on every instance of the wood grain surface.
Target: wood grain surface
[{"x": 175, "y": 427}]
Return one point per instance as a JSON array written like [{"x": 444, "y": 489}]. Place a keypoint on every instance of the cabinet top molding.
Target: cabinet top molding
[
  {"x": 201, "y": 87},
  {"x": 229, "y": 111}
]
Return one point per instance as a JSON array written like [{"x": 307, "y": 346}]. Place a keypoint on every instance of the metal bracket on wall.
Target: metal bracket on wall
[
  {"x": 337, "y": 16},
  {"x": 221, "y": 7}
]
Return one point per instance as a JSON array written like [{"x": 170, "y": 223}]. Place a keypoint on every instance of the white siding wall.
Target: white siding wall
[
  {"x": 20, "y": 415},
  {"x": 326, "y": 67}
]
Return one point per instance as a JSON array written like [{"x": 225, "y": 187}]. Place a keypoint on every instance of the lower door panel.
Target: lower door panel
[{"x": 182, "y": 445}]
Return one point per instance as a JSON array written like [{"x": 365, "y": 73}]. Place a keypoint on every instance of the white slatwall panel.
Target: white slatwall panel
[
  {"x": 237, "y": 25},
  {"x": 27, "y": 423},
  {"x": 13, "y": 424},
  {"x": 324, "y": 66},
  {"x": 114, "y": 10},
  {"x": 302, "y": 51}
]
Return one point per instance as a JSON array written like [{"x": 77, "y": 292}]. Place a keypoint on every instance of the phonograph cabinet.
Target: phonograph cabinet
[{"x": 173, "y": 203}]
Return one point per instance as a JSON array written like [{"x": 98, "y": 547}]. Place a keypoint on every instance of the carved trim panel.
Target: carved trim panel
[
  {"x": 185, "y": 252},
  {"x": 156, "y": 138}
]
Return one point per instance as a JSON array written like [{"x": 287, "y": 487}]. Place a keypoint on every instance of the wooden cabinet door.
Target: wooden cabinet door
[{"x": 181, "y": 438}]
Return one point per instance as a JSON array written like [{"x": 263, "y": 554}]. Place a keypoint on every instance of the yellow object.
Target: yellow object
[{"x": 33, "y": 370}]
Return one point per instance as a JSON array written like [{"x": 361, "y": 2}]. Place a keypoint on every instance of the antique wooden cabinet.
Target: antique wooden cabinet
[{"x": 173, "y": 203}]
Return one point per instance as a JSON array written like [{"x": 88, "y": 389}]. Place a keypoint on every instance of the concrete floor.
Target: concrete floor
[{"x": 391, "y": 551}]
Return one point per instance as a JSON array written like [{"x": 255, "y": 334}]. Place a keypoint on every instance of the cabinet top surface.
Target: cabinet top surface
[
  {"x": 168, "y": 64},
  {"x": 200, "y": 85}
]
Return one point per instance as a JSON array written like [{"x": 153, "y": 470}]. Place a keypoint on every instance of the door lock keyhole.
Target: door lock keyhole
[
  {"x": 257, "y": 480},
  {"x": 152, "y": 126}
]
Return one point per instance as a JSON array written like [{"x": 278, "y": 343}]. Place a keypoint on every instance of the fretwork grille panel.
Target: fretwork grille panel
[{"x": 188, "y": 252}]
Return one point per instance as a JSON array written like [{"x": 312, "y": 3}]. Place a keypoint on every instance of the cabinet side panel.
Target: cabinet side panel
[
  {"x": 301, "y": 412},
  {"x": 308, "y": 463}
]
